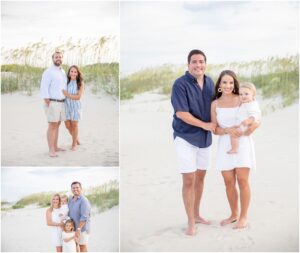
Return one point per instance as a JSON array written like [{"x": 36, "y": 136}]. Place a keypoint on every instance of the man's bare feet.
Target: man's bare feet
[
  {"x": 53, "y": 154},
  {"x": 191, "y": 230},
  {"x": 74, "y": 147},
  {"x": 229, "y": 220},
  {"x": 242, "y": 223},
  {"x": 202, "y": 221},
  {"x": 78, "y": 142},
  {"x": 232, "y": 151},
  {"x": 59, "y": 149}
]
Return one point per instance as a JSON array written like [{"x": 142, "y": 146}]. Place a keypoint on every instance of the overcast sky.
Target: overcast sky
[
  {"x": 17, "y": 182},
  {"x": 24, "y": 22},
  {"x": 153, "y": 33}
]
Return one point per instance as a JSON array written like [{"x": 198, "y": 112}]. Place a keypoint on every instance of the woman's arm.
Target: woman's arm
[
  {"x": 77, "y": 96},
  {"x": 49, "y": 220}
]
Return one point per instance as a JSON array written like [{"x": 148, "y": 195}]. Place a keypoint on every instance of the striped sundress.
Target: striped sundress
[{"x": 73, "y": 107}]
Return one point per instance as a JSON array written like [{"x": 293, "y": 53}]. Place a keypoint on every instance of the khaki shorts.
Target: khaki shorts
[
  {"x": 55, "y": 112},
  {"x": 83, "y": 238}
]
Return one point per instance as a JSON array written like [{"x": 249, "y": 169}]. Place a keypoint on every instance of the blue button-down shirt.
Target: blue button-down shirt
[
  {"x": 187, "y": 96},
  {"x": 80, "y": 210}
]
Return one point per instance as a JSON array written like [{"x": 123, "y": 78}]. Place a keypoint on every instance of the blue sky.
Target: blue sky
[
  {"x": 17, "y": 182},
  {"x": 153, "y": 33}
]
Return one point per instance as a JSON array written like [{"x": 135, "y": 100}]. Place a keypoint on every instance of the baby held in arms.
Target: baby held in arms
[
  {"x": 248, "y": 112},
  {"x": 64, "y": 209}
]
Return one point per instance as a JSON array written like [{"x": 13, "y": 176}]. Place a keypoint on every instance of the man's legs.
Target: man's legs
[
  {"x": 51, "y": 137},
  {"x": 232, "y": 196},
  {"x": 188, "y": 195},
  {"x": 83, "y": 248},
  {"x": 199, "y": 183}
]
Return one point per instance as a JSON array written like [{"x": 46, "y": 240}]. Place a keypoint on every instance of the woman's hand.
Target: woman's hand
[
  {"x": 65, "y": 93},
  {"x": 234, "y": 132}
]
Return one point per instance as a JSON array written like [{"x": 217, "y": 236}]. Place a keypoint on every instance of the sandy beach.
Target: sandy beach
[
  {"x": 24, "y": 127},
  {"x": 25, "y": 230},
  {"x": 152, "y": 212}
]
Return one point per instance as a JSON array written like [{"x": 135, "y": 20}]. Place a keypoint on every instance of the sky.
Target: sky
[
  {"x": 54, "y": 21},
  {"x": 17, "y": 182},
  {"x": 154, "y": 33}
]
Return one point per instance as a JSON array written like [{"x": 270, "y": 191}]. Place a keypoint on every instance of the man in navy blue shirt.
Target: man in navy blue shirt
[{"x": 192, "y": 95}]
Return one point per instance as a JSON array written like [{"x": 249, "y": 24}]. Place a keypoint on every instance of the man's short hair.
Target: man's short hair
[
  {"x": 195, "y": 51},
  {"x": 76, "y": 182},
  {"x": 57, "y": 52}
]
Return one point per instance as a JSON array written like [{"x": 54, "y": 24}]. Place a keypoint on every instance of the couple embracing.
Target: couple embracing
[
  {"x": 228, "y": 110},
  {"x": 69, "y": 220},
  {"x": 61, "y": 94}
]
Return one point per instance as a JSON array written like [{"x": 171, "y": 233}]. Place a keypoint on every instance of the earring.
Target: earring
[
  {"x": 233, "y": 90},
  {"x": 220, "y": 90}
]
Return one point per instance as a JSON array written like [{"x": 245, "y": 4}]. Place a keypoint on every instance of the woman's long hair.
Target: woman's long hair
[
  {"x": 236, "y": 83},
  {"x": 79, "y": 78},
  {"x": 55, "y": 195}
]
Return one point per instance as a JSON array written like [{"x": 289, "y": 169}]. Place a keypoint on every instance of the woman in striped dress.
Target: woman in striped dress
[{"x": 73, "y": 94}]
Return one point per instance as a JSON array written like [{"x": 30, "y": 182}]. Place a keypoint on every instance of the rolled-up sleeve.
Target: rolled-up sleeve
[
  {"x": 179, "y": 98},
  {"x": 45, "y": 83},
  {"x": 85, "y": 210}
]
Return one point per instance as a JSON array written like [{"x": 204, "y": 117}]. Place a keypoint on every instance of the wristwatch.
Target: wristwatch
[{"x": 225, "y": 131}]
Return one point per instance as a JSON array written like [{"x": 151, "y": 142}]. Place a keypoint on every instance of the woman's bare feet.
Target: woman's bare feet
[
  {"x": 242, "y": 223},
  {"x": 78, "y": 142},
  {"x": 74, "y": 147},
  {"x": 59, "y": 149},
  {"x": 232, "y": 151},
  {"x": 202, "y": 221},
  {"x": 229, "y": 220},
  {"x": 53, "y": 154},
  {"x": 191, "y": 230}
]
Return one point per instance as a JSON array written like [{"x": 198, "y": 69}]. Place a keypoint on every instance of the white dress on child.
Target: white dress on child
[
  {"x": 226, "y": 117},
  {"x": 56, "y": 231},
  {"x": 69, "y": 246}
]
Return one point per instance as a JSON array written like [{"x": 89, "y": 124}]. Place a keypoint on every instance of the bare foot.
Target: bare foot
[
  {"x": 229, "y": 220},
  {"x": 232, "y": 151},
  {"x": 74, "y": 147},
  {"x": 242, "y": 223},
  {"x": 59, "y": 149},
  {"x": 202, "y": 221},
  {"x": 53, "y": 154},
  {"x": 191, "y": 230},
  {"x": 78, "y": 143}
]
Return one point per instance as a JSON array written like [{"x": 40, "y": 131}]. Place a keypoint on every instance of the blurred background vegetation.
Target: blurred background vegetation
[
  {"x": 102, "y": 197},
  {"x": 22, "y": 68},
  {"x": 273, "y": 76}
]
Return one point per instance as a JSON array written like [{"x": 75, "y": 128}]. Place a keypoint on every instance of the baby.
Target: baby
[
  {"x": 64, "y": 209},
  {"x": 248, "y": 112}
]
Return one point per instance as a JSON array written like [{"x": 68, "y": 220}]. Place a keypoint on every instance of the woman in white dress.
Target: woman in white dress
[
  {"x": 54, "y": 221},
  {"x": 234, "y": 167}
]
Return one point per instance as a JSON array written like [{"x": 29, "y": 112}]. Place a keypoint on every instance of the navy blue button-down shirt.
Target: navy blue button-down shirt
[
  {"x": 80, "y": 210},
  {"x": 187, "y": 96}
]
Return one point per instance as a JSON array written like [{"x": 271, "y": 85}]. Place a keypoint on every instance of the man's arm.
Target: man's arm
[{"x": 45, "y": 82}]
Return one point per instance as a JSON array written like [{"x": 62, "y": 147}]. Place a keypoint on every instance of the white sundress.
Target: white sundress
[
  {"x": 226, "y": 117},
  {"x": 69, "y": 246},
  {"x": 56, "y": 231}
]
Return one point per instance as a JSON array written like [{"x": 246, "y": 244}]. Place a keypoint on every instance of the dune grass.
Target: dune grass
[
  {"x": 273, "y": 76},
  {"x": 102, "y": 197}
]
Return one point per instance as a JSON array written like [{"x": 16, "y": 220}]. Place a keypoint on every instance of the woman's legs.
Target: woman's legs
[
  {"x": 58, "y": 248},
  {"x": 242, "y": 178},
  {"x": 74, "y": 127},
  {"x": 232, "y": 196}
]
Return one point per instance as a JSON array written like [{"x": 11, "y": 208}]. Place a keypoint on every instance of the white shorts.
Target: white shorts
[
  {"x": 55, "y": 112},
  {"x": 83, "y": 238},
  {"x": 190, "y": 158}
]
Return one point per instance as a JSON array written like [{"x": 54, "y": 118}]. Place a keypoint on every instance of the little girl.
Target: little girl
[
  {"x": 68, "y": 237},
  {"x": 64, "y": 209},
  {"x": 248, "y": 112}
]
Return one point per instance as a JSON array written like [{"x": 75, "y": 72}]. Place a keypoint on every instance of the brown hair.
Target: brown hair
[
  {"x": 195, "y": 51},
  {"x": 76, "y": 182},
  {"x": 55, "y": 195},
  {"x": 236, "y": 83},
  {"x": 57, "y": 52},
  {"x": 70, "y": 221},
  {"x": 79, "y": 78}
]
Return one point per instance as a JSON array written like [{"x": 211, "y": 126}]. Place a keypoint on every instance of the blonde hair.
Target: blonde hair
[
  {"x": 55, "y": 195},
  {"x": 249, "y": 86}
]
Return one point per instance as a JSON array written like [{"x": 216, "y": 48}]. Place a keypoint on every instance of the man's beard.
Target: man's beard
[{"x": 57, "y": 63}]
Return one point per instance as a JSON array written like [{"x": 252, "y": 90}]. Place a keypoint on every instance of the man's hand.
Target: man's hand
[
  {"x": 65, "y": 93},
  {"x": 209, "y": 126},
  {"x": 77, "y": 233},
  {"x": 47, "y": 101}
]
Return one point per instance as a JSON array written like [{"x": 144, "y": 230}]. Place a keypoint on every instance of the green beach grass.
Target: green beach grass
[
  {"x": 273, "y": 76},
  {"x": 102, "y": 197}
]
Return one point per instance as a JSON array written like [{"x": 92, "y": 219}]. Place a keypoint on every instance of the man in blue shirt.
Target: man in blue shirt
[
  {"x": 80, "y": 212},
  {"x": 191, "y": 98}
]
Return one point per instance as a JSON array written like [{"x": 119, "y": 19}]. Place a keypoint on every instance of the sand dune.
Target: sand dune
[
  {"x": 152, "y": 213},
  {"x": 25, "y": 230},
  {"x": 24, "y": 132}
]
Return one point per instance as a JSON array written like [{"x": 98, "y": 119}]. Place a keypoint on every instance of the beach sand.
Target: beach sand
[
  {"x": 24, "y": 127},
  {"x": 152, "y": 212},
  {"x": 25, "y": 230}
]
